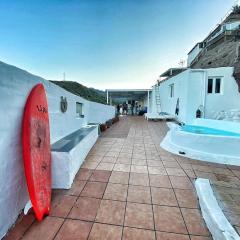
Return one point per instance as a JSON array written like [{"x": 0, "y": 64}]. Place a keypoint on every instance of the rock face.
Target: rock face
[
  {"x": 236, "y": 71},
  {"x": 223, "y": 55}
]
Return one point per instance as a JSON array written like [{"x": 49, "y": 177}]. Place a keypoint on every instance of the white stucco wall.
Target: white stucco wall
[
  {"x": 180, "y": 91},
  {"x": 99, "y": 113},
  {"x": 15, "y": 85},
  {"x": 229, "y": 98},
  {"x": 190, "y": 87}
]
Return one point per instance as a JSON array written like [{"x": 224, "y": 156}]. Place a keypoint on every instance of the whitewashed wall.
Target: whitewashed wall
[
  {"x": 229, "y": 98},
  {"x": 180, "y": 91},
  {"x": 15, "y": 85},
  {"x": 190, "y": 87},
  {"x": 99, "y": 113}
]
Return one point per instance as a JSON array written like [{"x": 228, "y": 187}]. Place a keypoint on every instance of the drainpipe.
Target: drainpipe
[{"x": 204, "y": 91}]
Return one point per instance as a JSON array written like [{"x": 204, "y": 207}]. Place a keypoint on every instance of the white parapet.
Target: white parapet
[
  {"x": 65, "y": 165},
  {"x": 216, "y": 221}
]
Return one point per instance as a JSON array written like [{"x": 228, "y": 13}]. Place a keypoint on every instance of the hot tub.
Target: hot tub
[{"x": 208, "y": 140}]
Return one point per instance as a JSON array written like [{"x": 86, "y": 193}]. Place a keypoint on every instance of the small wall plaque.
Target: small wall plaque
[{"x": 63, "y": 104}]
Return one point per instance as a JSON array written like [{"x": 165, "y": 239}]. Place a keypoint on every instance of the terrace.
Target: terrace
[{"x": 130, "y": 188}]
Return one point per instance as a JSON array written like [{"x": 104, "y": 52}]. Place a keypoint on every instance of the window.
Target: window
[
  {"x": 171, "y": 90},
  {"x": 218, "y": 85},
  {"x": 210, "y": 85},
  {"x": 79, "y": 109},
  {"x": 214, "y": 85}
]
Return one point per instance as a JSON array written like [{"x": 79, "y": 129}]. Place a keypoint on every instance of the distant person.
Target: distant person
[
  {"x": 118, "y": 108},
  {"x": 121, "y": 110},
  {"x": 125, "y": 108}
]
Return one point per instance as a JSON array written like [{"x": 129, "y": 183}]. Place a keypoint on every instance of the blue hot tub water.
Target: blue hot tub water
[{"x": 207, "y": 130}]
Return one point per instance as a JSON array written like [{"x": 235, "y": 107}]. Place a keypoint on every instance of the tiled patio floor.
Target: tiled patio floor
[{"x": 129, "y": 188}]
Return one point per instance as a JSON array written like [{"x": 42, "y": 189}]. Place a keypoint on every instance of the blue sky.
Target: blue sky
[{"x": 104, "y": 43}]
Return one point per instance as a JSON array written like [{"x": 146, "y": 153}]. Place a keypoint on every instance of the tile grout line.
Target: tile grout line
[{"x": 154, "y": 224}]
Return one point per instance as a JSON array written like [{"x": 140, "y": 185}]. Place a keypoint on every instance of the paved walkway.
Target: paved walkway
[{"x": 129, "y": 188}]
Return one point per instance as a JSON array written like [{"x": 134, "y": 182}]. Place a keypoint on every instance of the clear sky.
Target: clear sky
[{"x": 104, "y": 43}]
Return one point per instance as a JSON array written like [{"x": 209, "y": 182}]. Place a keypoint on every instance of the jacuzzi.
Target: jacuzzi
[{"x": 204, "y": 139}]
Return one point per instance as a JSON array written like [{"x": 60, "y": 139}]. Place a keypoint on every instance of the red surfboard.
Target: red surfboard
[{"x": 36, "y": 151}]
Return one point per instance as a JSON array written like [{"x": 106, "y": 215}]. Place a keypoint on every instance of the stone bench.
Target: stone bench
[{"x": 69, "y": 153}]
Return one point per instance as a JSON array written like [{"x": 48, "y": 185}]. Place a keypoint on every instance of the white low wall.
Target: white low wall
[
  {"x": 65, "y": 165},
  {"x": 217, "y": 223},
  {"x": 15, "y": 85},
  {"x": 204, "y": 147}
]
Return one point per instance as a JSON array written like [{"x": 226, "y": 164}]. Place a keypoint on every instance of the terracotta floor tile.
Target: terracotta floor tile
[
  {"x": 139, "y": 194},
  {"x": 163, "y": 196},
  {"x": 169, "y": 219},
  {"x": 111, "y": 212},
  {"x": 168, "y": 158},
  {"x": 186, "y": 166},
  {"x": 20, "y": 227},
  {"x": 100, "y": 176},
  {"x": 105, "y": 232},
  {"x": 126, "y": 154},
  {"x": 207, "y": 175},
  {"x": 126, "y": 150},
  {"x": 139, "y": 162},
  {"x": 171, "y": 236},
  {"x": 153, "y": 163},
  {"x": 109, "y": 159},
  {"x": 194, "y": 221},
  {"x": 74, "y": 230},
  {"x": 90, "y": 165},
  {"x": 75, "y": 189},
  {"x": 85, "y": 209},
  {"x": 139, "y": 215},
  {"x": 202, "y": 168},
  {"x": 137, "y": 234},
  {"x": 157, "y": 170},
  {"x": 105, "y": 166},
  {"x": 83, "y": 174},
  {"x": 175, "y": 172},
  {"x": 200, "y": 238},
  {"x": 112, "y": 154},
  {"x": 190, "y": 173},
  {"x": 186, "y": 198},
  {"x": 116, "y": 192},
  {"x": 139, "y": 155},
  {"x": 141, "y": 179},
  {"x": 94, "y": 189},
  {"x": 119, "y": 177},
  {"x": 122, "y": 167},
  {"x": 159, "y": 181},
  {"x": 139, "y": 169},
  {"x": 171, "y": 164},
  {"x": 123, "y": 160},
  {"x": 94, "y": 158},
  {"x": 181, "y": 182},
  {"x": 61, "y": 205},
  {"x": 45, "y": 229}
]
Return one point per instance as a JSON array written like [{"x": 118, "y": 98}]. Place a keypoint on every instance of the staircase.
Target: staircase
[{"x": 157, "y": 98}]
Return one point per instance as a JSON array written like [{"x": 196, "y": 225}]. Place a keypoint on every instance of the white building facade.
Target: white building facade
[{"x": 213, "y": 91}]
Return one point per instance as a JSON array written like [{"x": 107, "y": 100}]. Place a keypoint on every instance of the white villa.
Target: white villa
[{"x": 207, "y": 85}]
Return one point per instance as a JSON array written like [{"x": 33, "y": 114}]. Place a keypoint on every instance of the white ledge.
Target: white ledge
[{"x": 216, "y": 221}]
